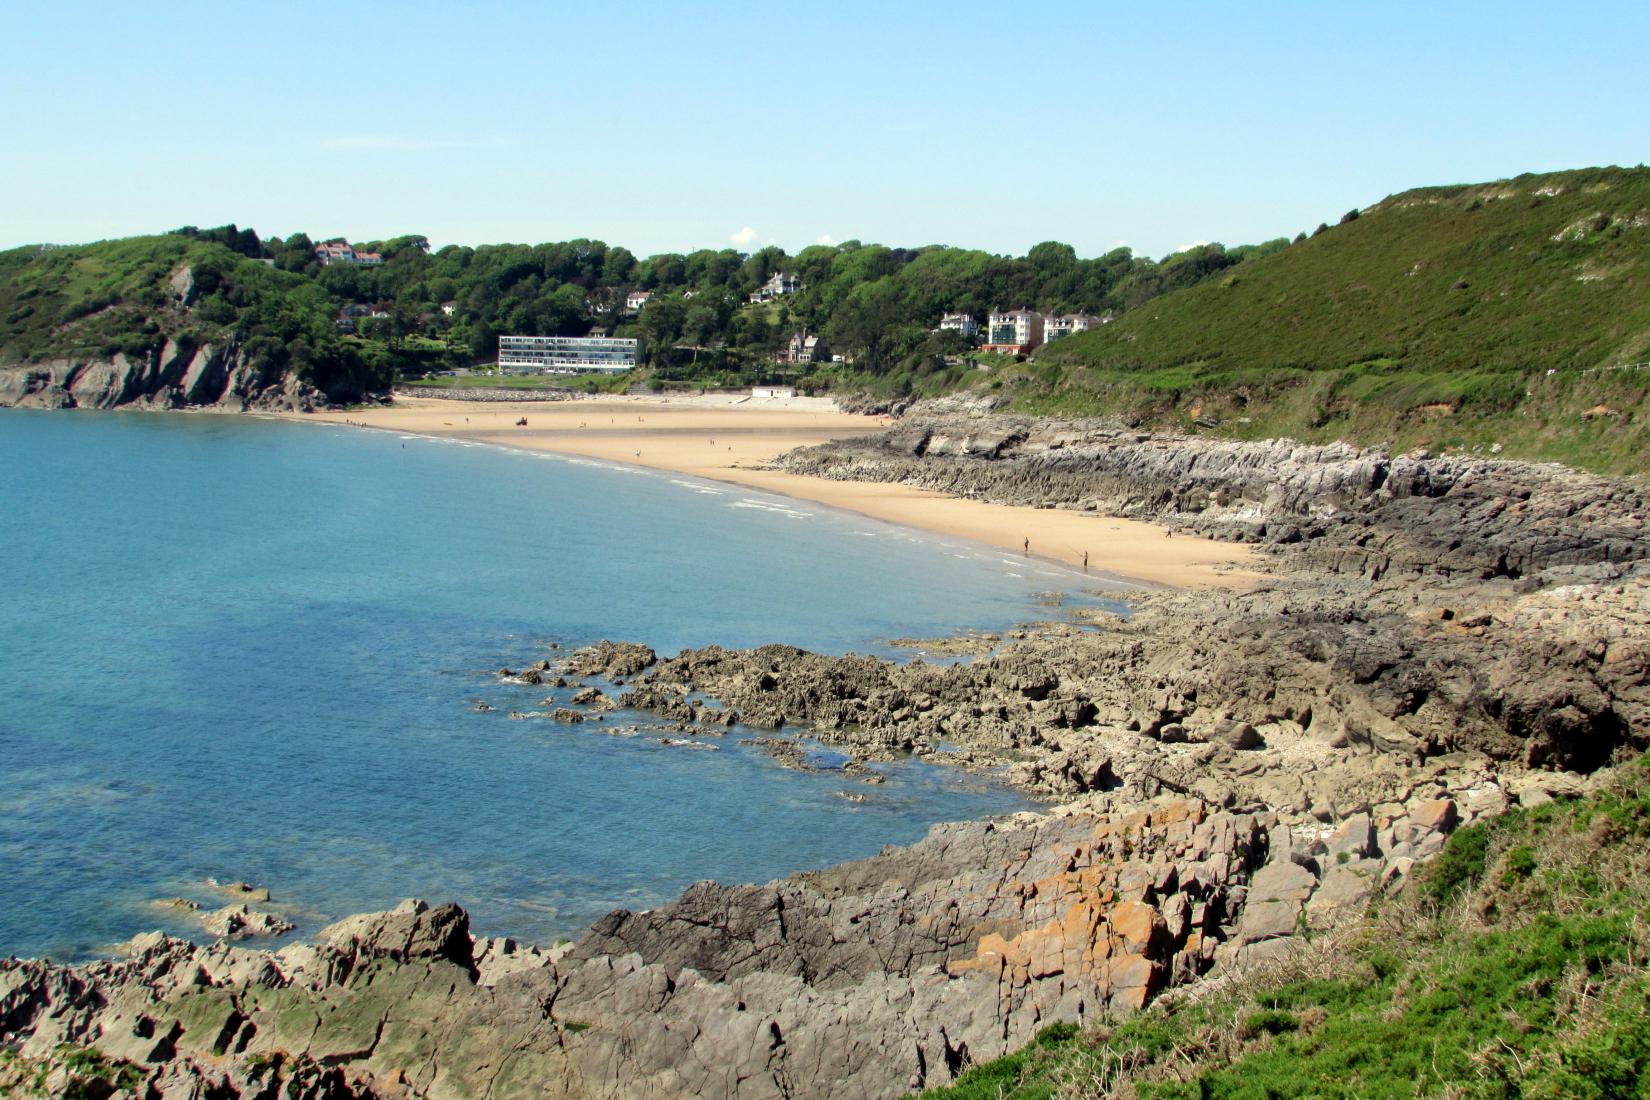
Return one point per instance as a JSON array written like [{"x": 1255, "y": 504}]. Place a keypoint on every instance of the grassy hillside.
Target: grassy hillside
[
  {"x": 1447, "y": 316},
  {"x": 1518, "y": 966},
  {"x": 97, "y": 300}
]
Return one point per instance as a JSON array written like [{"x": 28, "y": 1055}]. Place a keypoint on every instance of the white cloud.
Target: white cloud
[
  {"x": 746, "y": 237},
  {"x": 1189, "y": 247},
  {"x": 825, "y": 238}
]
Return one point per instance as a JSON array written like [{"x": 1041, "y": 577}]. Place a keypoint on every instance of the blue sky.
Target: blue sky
[{"x": 673, "y": 127}]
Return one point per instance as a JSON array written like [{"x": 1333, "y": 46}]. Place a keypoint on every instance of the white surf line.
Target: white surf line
[
  {"x": 770, "y": 506},
  {"x": 891, "y": 529}
]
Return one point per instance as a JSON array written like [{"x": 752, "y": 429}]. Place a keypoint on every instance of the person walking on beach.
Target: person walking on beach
[
  {"x": 1026, "y": 549},
  {"x": 1085, "y": 561}
]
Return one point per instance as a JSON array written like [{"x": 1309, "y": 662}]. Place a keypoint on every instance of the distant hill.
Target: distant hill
[{"x": 1515, "y": 312}]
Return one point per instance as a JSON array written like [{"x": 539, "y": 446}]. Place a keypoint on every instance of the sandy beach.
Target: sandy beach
[{"x": 725, "y": 438}]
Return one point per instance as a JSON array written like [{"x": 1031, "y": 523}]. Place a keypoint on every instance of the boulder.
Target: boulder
[
  {"x": 1345, "y": 890},
  {"x": 1354, "y": 838},
  {"x": 234, "y": 922}
]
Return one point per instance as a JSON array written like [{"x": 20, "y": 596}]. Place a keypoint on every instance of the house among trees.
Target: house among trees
[
  {"x": 1056, "y": 327},
  {"x": 338, "y": 251},
  {"x": 636, "y": 299},
  {"x": 778, "y": 284},
  {"x": 960, "y": 322},
  {"x": 1014, "y": 331},
  {"x": 806, "y": 348}
]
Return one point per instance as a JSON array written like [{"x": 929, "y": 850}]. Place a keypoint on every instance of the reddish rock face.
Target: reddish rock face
[
  {"x": 1098, "y": 928},
  {"x": 1438, "y": 815}
]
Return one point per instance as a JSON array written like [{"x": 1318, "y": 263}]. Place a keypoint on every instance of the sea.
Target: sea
[{"x": 237, "y": 648}]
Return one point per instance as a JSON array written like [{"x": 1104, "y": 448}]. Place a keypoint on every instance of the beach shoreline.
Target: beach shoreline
[{"x": 731, "y": 438}]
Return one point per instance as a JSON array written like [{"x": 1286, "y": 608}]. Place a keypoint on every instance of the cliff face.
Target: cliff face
[{"x": 180, "y": 375}]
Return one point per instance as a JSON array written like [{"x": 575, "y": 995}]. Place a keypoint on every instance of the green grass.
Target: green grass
[
  {"x": 1432, "y": 320},
  {"x": 1517, "y": 965}
]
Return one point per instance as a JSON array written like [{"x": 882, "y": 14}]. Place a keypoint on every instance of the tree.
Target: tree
[
  {"x": 701, "y": 323},
  {"x": 865, "y": 322},
  {"x": 762, "y": 264},
  {"x": 1052, "y": 257},
  {"x": 660, "y": 326},
  {"x": 665, "y": 270}
]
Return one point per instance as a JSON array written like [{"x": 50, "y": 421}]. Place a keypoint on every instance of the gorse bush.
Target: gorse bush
[{"x": 1508, "y": 313}]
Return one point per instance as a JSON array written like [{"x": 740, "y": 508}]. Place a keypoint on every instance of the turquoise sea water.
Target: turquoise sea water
[{"x": 251, "y": 650}]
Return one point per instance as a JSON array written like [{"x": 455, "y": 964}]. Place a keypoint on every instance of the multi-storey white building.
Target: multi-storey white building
[
  {"x": 960, "y": 322},
  {"x": 778, "y": 283},
  {"x": 1056, "y": 327},
  {"x": 568, "y": 354},
  {"x": 1014, "y": 331}
]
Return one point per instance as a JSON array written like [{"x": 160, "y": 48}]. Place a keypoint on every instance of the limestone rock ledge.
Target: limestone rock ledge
[
  {"x": 868, "y": 979},
  {"x": 180, "y": 375}
]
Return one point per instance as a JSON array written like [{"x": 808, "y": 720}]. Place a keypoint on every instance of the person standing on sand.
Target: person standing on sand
[
  {"x": 1085, "y": 561},
  {"x": 1026, "y": 549}
]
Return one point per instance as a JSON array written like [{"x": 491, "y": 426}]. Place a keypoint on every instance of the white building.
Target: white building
[
  {"x": 339, "y": 252},
  {"x": 1014, "y": 331},
  {"x": 779, "y": 283},
  {"x": 960, "y": 322},
  {"x": 636, "y": 299},
  {"x": 1056, "y": 327},
  {"x": 568, "y": 354},
  {"x": 773, "y": 391}
]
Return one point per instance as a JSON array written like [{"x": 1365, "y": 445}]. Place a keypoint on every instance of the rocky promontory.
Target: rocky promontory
[
  {"x": 178, "y": 375},
  {"x": 1329, "y": 508}
]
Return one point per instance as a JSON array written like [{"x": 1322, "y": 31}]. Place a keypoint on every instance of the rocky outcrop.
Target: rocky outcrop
[
  {"x": 1292, "y": 694},
  {"x": 178, "y": 375},
  {"x": 1335, "y": 508},
  {"x": 869, "y": 979},
  {"x": 611, "y": 660}
]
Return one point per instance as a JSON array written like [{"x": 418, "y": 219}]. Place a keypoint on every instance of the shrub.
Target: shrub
[{"x": 1459, "y": 865}]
